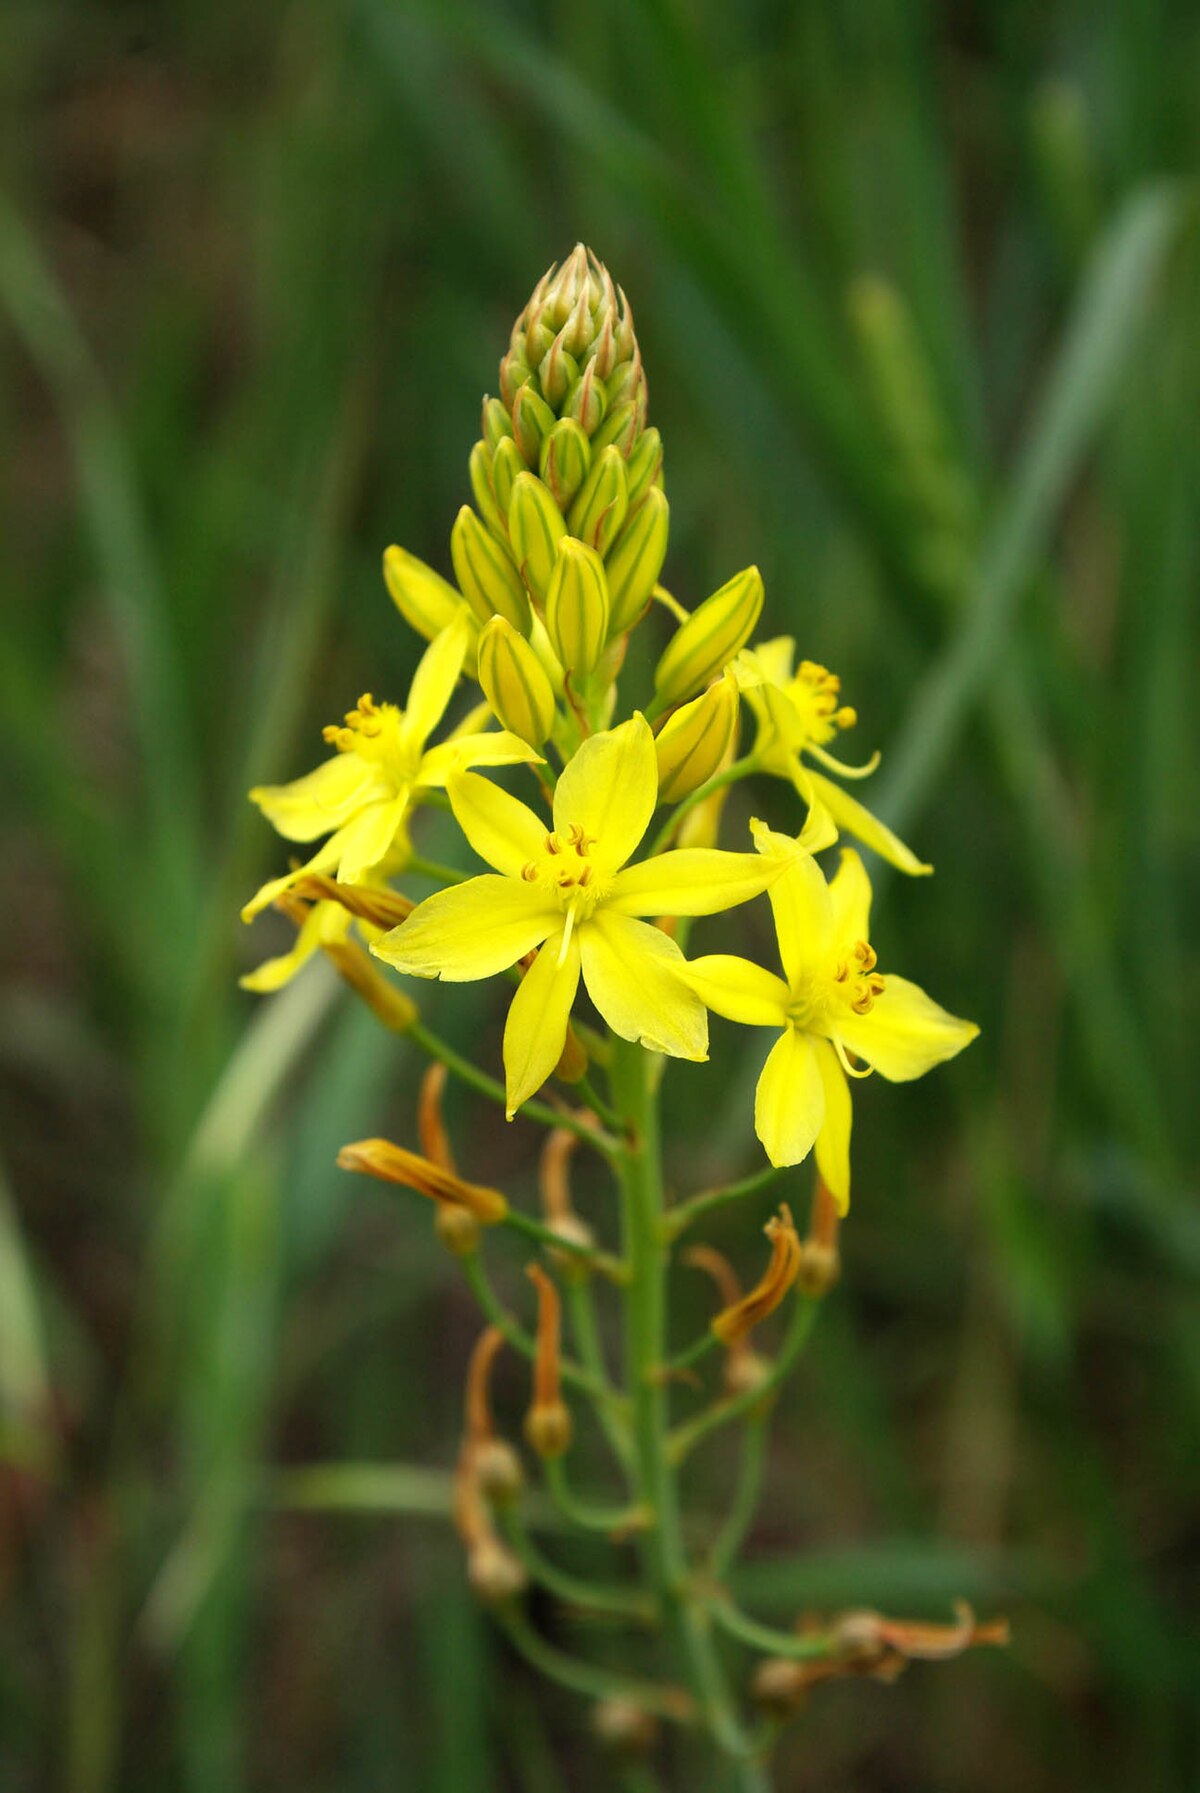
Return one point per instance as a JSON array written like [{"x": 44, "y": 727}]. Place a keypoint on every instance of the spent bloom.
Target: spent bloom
[
  {"x": 569, "y": 891},
  {"x": 835, "y": 1011}
]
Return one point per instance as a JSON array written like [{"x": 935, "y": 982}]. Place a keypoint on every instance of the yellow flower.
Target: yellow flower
[
  {"x": 361, "y": 796},
  {"x": 833, "y": 1005},
  {"x": 800, "y": 712},
  {"x": 568, "y": 890}
]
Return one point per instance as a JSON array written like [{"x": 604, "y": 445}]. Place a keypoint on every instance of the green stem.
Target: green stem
[
  {"x": 584, "y": 1677},
  {"x": 572, "y": 1590},
  {"x": 680, "y": 1217},
  {"x": 747, "y": 1489},
  {"x": 687, "y": 1436},
  {"x": 588, "y": 1514},
  {"x": 515, "y": 1334},
  {"x": 494, "y": 1091},
  {"x": 740, "y": 769},
  {"x": 687, "y": 1625},
  {"x": 435, "y": 871},
  {"x": 582, "y": 1309},
  {"x": 803, "y": 1648},
  {"x": 601, "y": 1261}
]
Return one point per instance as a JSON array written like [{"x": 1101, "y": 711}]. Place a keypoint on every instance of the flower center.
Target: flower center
[
  {"x": 813, "y": 694},
  {"x": 852, "y": 983},
  {"x": 372, "y": 731},
  {"x": 565, "y": 867}
]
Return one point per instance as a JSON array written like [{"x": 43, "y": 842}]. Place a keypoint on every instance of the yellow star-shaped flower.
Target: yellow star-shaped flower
[
  {"x": 832, "y": 1006},
  {"x": 361, "y": 797},
  {"x": 570, "y": 890}
]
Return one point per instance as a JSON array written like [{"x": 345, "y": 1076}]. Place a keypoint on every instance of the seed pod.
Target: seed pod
[
  {"x": 565, "y": 458},
  {"x": 535, "y": 528},
  {"x": 498, "y": 1472},
  {"x": 577, "y": 607},
  {"x": 426, "y": 601},
  {"x": 490, "y": 582},
  {"x": 493, "y": 1571},
  {"x": 514, "y": 683},
  {"x": 479, "y": 467},
  {"x": 693, "y": 742},
  {"x": 599, "y": 511},
  {"x": 635, "y": 560},
  {"x": 548, "y": 1430},
  {"x": 711, "y": 636}
]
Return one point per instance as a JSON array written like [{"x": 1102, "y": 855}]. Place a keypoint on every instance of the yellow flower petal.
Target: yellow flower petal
[
  {"x": 324, "y": 860},
  {"x": 609, "y": 789},
  {"x": 495, "y": 748},
  {"x": 501, "y": 828},
  {"x": 322, "y": 800},
  {"x": 850, "y": 897},
  {"x": 789, "y": 1104},
  {"x": 363, "y": 842},
  {"x": 690, "y": 881},
  {"x": 324, "y": 922},
  {"x": 472, "y": 930},
  {"x": 833, "y": 1141},
  {"x": 905, "y": 1033},
  {"x": 536, "y": 1030},
  {"x": 851, "y": 816},
  {"x": 739, "y": 990},
  {"x": 433, "y": 682},
  {"x": 632, "y": 973},
  {"x": 803, "y": 912}
]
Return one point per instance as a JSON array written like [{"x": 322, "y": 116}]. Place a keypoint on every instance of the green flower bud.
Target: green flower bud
[
  {"x": 514, "y": 683},
  {"x": 427, "y": 602},
  {"x": 635, "y": 560},
  {"x": 480, "y": 469},
  {"x": 535, "y": 528},
  {"x": 644, "y": 467},
  {"x": 574, "y": 351},
  {"x": 497, "y": 424},
  {"x": 619, "y": 429},
  {"x": 692, "y": 743},
  {"x": 704, "y": 645},
  {"x": 507, "y": 462},
  {"x": 577, "y": 607},
  {"x": 532, "y": 420},
  {"x": 599, "y": 511},
  {"x": 486, "y": 575},
  {"x": 565, "y": 458}
]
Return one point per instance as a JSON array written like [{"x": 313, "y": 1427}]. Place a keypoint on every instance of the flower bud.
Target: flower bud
[
  {"x": 514, "y": 684},
  {"x": 643, "y": 469},
  {"x": 564, "y": 461},
  {"x": 497, "y": 424},
  {"x": 599, "y": 511},
  {"x": 636, "y": 559},
  {"x": 693, "y": 742},
  {"x": 619, "y": 429},
  {"x": 479, "y": 468},
  {"x": 427, "y": 602},
  {"x": 507, "y": 462},
  {"x": 711, "y": 636},
  {"x": 577, "y": 607},
  {"x": 490, "y": 582},
  {"x": 532, "y": 422},
  {"x": 587, "y": 400},
  {"x": 535, "y": 528}
]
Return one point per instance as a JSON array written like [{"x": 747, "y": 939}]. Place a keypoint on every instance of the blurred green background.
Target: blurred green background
[{"x": 917, "y": 289}]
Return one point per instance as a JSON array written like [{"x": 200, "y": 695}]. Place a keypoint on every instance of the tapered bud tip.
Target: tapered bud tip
[
  {"x": 692, "y": 744},
  {"x": 704, "y": 645},
  {"x": 515, "y": 683},
  {"x": 426, "y": 601},
  {"x": 574, "y": 352}
]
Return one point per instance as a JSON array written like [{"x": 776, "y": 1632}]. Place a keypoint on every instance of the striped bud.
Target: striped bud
[
  {"x": 507, "y": 462},
  {"x": 599, "y": 511},
  {"x": 497, "y": 424},
  {"x": 514, "y": 683},
  {"x": 532, "y": 420},
  {"x": 636, "y": 559},
  {"x": 704, "y": 645},
  {"x": 486, "y": 575},
  {"x": 426, "y": 601},
  {"x": 577, "y": 607},
  {"x": 693, "y": 742},
  {"x": 479, "y": 468},
  {"x": 644, "y": 467},
  {"x": 535, "y": 528},
  {"x": 565, "y": 458},
  {"x": 619, "y": 429}
]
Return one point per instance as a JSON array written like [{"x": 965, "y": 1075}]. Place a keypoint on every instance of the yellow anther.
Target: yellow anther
[
  {"x": 585, "y": 877},
  {"x": 846, "y": 717},
  {"x": 579, "y": 840},
  {"x": 865, "y": 954},
  {"x": 842, "y": 972},
  {"x": 529, "y": 872},
  {"x": 553, "y": 844}
]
